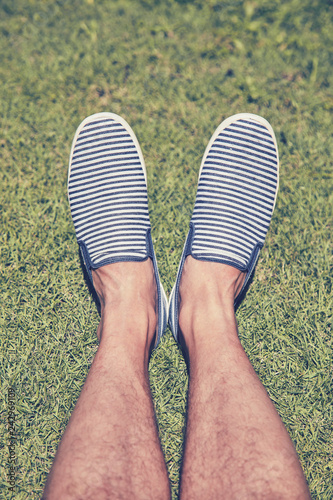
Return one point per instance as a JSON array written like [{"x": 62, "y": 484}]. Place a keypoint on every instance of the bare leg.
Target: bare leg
[
  {"x": 110, "y": 449},
  {"x": 236, "y": 445}
]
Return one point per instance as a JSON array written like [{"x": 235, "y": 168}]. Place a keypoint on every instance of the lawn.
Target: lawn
[{"x": 173, "y": 70}]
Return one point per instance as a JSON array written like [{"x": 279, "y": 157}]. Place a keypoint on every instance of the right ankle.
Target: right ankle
[{"x": 207, "y": 324}]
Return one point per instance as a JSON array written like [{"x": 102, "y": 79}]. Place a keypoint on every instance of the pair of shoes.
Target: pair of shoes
[{"x": 237, "y": 188}]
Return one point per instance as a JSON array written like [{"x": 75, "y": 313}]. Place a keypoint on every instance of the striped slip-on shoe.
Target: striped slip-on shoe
[
  {"x": 107, "y": 191},
  {"x": 237, "y": 188}
]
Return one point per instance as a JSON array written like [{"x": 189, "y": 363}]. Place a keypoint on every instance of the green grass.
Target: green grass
[{"x": 174, "y": 70}]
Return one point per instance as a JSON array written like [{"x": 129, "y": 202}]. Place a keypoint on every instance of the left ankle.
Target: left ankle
[{"x": 128, "y": 324}]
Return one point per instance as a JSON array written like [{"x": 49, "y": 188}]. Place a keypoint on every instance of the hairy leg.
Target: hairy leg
[
  {"x": 111, "y": 449},
  {"x": 236, "y": 445}
]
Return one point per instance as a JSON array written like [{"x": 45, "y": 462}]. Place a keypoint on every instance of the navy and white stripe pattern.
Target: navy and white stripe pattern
[
  {"x": 107, "y": 190},
  {"x": 236, "y": 195},
  {"x": 108, "y": 193}
]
